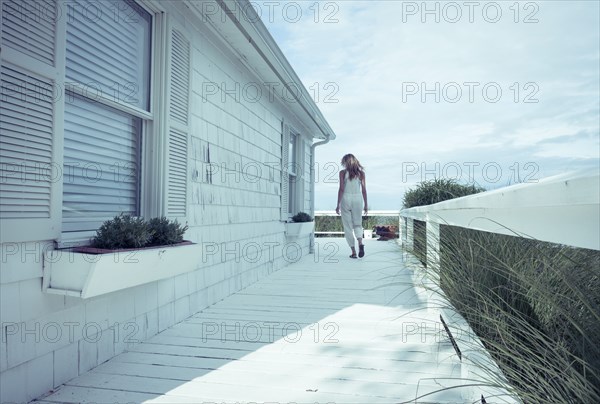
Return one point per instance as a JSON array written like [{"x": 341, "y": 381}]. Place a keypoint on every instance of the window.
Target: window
[
  {"x": 108, "y": 59},
  {"x": 292, "y": 160}
]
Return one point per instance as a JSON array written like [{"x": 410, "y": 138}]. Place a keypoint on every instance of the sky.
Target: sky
[{"x": 487, "y": 92}]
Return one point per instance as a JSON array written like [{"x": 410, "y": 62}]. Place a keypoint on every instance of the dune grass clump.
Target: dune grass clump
[
  {"x": 534, "y": 305},
  {"x": 437, "y": 190}
]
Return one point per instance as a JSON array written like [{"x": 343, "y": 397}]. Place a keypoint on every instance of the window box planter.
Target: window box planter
[
  {"x": 299, "y": 229},
  {"x": 87, "y": 272}
]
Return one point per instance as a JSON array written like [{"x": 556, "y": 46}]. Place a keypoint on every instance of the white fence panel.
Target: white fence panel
[{"x": 563, "y": 209}]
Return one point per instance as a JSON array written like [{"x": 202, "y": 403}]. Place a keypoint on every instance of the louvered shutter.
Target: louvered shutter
[
  {"x": 303, "y": 175},
  {"x": 26, "y": 150},
  {"x": 30, "y": 28},
  {"x": 177, "y": 154},
  {"x": 285, "y": 144},
  {"x": 29, "y": 128},
  {"x": 180, "y": 78}
]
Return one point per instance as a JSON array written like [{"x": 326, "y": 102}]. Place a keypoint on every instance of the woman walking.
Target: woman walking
[{"x": 352, "y": 200}]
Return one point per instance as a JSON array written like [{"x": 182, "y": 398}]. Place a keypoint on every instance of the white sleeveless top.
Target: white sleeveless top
[{"x": 351, "y": 186}]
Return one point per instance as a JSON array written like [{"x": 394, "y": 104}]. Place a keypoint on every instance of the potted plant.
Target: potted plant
[
  {"x": 302, "y": 224},
  {"x": 126, "y": 251}
]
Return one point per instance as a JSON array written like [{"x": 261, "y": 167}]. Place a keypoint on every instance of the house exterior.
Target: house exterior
[{"x": 185, "y": 109}]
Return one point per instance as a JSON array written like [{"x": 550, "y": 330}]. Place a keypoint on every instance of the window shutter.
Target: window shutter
[
  {"x": 25, "y": 146},
  {"x": 176, "y": 204},
  {"x": 285, "y": 144},
  {"x": 29, "y": 27},
  {"x": 180, "y": 78},
  {"x": 177, "y": 187},
  {"x": 30, "y": 176},
  {"x": 303, "y": 175}
]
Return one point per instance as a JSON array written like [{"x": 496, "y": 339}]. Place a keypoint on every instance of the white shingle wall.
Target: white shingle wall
[{"x": 48, "y": 339}]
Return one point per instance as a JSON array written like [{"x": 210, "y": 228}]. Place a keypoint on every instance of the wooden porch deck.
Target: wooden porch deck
[{"x": 335, "y": 330}]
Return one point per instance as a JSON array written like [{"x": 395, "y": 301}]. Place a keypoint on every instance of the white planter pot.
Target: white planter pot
[
  {"x": 299, "y": 229},
  {"x": 86, "y": 275}
]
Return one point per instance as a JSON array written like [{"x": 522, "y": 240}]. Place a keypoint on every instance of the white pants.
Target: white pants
[{"x": 351, "y": 210}]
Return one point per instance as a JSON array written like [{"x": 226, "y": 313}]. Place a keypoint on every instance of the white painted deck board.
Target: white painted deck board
[
  {"x": 251, "y": 386},
  {"x": 370, "y": 358},
  {"x": 291, "y": 371}
]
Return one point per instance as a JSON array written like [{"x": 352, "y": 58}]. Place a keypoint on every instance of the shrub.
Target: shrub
[
  {"x": 126, "y": 231},
  {"x": 165, "y": 231},
  {"x": 123, "y": 231},
  {"x": 328, "y": 223},
  {"x": 301, "y": 217},
  {"x": 437, "y": 190}
]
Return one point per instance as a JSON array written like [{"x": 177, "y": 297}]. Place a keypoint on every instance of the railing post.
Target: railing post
[
  {"x": 435, "y": 301},
  {"x": 401, "y": 234},
  {"x": 409, "y": 234},
  {"x": 433, "y": 245}
]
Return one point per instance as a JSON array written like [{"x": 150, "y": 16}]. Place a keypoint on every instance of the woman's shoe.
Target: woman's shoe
[
  {"x": 361, "y": 250},
  {"x": 353, "y": 256}
]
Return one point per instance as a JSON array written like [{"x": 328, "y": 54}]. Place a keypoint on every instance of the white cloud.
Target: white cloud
[{"x": 373, "y": 56}]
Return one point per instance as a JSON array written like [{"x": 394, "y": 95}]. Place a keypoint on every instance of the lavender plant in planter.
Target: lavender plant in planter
[
  {"x": 301, "y": 225},
  {"x": 125, "y": 252}
]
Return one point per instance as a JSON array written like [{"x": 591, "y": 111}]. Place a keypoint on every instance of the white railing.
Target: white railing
[
  {"x": 564, "y": 209},
  {"x": 371, "y": 213}
]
